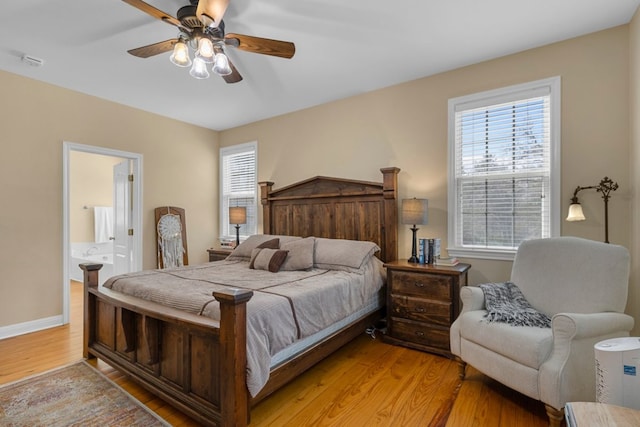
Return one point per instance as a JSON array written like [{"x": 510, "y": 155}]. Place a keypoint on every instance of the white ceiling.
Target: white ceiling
[{"x": 343, "y": 48}]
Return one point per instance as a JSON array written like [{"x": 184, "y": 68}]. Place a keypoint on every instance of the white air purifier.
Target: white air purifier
[{"x": 617, "y": 372}]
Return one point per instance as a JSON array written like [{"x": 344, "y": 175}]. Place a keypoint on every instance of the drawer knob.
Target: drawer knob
[
  {"x": 420, "y": 285},
  {"x": 420, "y": 309},
  {"x": 420, "y": 333}
]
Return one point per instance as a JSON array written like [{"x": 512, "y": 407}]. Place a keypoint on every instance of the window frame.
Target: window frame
[
  {"x": 245, "y": 230},
  {"x": 490, "y": 98}
]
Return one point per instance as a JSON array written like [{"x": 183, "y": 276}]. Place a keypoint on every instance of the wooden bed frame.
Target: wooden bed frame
[{"x": 198, "y": 364}]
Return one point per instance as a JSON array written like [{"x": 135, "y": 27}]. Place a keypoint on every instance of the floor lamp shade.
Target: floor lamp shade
[
  {"x": 414, "y": 211},
  {"x": 575, "y": 212}
]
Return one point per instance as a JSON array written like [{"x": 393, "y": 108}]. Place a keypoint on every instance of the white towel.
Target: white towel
[{"x": 103, "y": 224}]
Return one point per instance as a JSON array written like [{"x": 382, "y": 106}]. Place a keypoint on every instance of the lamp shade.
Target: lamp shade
[
  {"x": 238, "y": 215},
  {"x": 180, "y": 55},
  {"x": 221, "y": 65},
  {"x": 575, "y": 212},
  {"x": 199, "y": 69},
  {"x": 205, "y": 50},
  {"x": 414, "y": 211}
]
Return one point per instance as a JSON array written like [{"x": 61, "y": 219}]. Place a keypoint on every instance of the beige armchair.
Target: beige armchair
[{"x": 582, "y": 285}]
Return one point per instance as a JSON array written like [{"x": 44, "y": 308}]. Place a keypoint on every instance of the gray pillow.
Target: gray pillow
[
  {"x": 345, "y": 255},
  {"x": 300, "y": 254}
]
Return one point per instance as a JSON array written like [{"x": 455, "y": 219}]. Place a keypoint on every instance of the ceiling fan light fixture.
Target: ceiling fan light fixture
[
  {"x": 180, "y": 55},
  {"x": 221, "y": 65},
  {"x": 199, "y": 69},
  {"x": 205, "y": 50},
  {"x": 201, "y": 29}
]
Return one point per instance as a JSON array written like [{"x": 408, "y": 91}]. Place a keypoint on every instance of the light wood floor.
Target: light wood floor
[{"x": 366, "y": 383}]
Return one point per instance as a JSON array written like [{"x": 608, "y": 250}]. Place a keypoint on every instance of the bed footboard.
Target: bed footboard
[{"x": 196, "y": 364}]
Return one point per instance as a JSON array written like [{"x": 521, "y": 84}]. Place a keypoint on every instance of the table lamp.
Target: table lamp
[
  {"x": 237, "y": 216},
  {"x": 414, "y": 211}
]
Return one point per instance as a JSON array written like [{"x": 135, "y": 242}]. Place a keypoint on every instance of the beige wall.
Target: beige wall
[
  {"x": 90, "y": 185},
  {"x": 406, "y": 126},
  {"x": 180, "y": 169},
  {"x": 633, "y": 305}
]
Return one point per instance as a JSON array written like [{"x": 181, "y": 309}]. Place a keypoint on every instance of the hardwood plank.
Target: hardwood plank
[
  {"x": 353, "y": 391},
  {"x": 308, "y": 387},
  {"x": 489, "y": 405},
  {"x": 428, "y": 382},
  {"x": 400, "y": 402}
]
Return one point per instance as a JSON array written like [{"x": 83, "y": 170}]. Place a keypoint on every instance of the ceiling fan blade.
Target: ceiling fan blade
[
  {"x": 156, "y": 13},
  {"x": 153, "y": 49},
  {"x": 234, "y": 77},
  {"x": 260, "y": 45},
  {"x": 211, "y": 12}
]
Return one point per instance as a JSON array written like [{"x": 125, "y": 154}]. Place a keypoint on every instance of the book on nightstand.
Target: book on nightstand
[
  {"x": 227, "y": 243},
  {"x": 447, "y": 261},
  {"x": 428, "y": 251}
]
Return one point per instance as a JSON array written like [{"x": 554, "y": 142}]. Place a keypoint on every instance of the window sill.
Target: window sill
[{"x": 493, "y": 254}]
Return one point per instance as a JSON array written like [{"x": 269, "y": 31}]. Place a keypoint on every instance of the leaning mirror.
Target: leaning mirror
[{"x": 171, "y": 237}]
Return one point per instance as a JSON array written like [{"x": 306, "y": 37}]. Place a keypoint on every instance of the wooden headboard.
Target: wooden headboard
[{"x": 336, "y": 208}]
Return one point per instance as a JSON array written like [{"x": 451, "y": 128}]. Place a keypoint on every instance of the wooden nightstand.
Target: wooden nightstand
[
  {"x": 218, "y": 254},
  {"x": 423, "y": 300}
]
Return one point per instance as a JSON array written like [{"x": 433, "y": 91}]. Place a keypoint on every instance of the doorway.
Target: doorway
[{"x": 91, "y": 228}]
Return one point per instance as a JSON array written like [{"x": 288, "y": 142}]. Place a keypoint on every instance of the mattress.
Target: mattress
[{"x": 288, "y": 353}]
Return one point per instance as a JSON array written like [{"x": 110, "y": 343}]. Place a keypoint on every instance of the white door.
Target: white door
[{"x": 122, "y": 216}]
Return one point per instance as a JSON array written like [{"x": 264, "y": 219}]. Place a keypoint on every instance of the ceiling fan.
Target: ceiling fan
[{"x": 201, "y": 28}]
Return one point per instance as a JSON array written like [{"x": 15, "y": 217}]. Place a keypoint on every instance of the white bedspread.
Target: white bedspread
[{"x": 286, "y": 306}]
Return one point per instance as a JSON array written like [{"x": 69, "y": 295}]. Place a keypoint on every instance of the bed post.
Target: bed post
[
  {"x": 90, "y": 281},
  {"x": 234, "y": 396},
  {"x": 390, "y": 194},
  {"x": 265, "y": 189}
]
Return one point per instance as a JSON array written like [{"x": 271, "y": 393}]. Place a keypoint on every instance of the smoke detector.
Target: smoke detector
[{"x": 32, "y": 60}]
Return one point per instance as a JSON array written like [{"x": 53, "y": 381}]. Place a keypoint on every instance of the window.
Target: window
[
  {"x": 504, "y": 173},
  {"x": 238, "y": 187}
]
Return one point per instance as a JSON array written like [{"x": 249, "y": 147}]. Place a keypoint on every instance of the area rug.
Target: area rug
[{"x": 74, "y": 395}]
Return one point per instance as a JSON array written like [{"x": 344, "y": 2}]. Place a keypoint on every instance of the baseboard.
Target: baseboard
[{"x": 31, "y": 326}]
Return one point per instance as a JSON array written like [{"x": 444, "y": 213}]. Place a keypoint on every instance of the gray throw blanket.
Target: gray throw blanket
[{"x": 505, "y": 303}]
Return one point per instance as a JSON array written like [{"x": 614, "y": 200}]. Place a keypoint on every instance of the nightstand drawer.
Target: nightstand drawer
[
  {"x": 433, "y": 286},
  {"x": 421, "y": 310},
  {"x": 420, "y": 333},
  {"x": 218, "y": 254}
]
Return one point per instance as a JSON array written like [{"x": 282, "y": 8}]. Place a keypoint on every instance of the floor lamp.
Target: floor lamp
[
  {"x": 606, "y": 186},
  {"x": 414, "y": 211}
]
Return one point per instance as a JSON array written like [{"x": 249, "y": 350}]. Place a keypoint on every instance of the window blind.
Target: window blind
[
  {"x": 502, "y": 172},
  {"x": 238, "y": 187}
]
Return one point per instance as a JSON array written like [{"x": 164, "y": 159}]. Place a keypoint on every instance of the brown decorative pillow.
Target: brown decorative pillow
[
  {"x": 267, "y": 259},
  {"x": 269, "y": 244}
]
